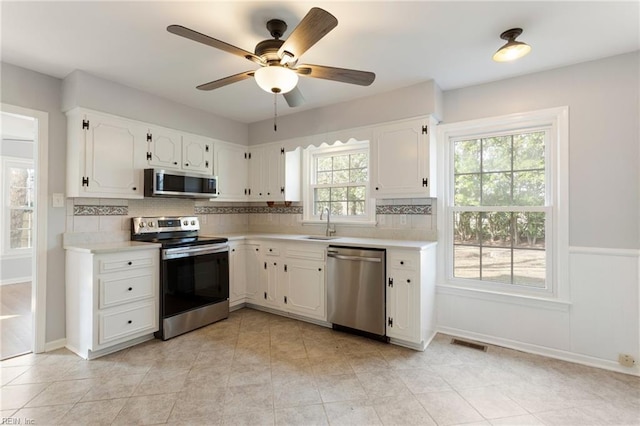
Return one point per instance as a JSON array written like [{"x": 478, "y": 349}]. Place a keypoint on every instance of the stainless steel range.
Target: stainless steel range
[{"x": 194, "y": 273}]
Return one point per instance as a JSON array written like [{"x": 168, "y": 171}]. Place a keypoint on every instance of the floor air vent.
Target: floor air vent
[{"x": 472, "y": 345}]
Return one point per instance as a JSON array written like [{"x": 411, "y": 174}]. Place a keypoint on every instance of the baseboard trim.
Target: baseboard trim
[
  {"x": 542, "y": 350},
  {"x": 55, "y": 344}
]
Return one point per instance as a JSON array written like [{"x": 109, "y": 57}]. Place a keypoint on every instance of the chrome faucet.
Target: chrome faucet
[{"x": 330, "y": 231}]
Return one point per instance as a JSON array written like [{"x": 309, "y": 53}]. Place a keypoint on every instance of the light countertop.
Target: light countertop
[{"x": 111, "y": 247}]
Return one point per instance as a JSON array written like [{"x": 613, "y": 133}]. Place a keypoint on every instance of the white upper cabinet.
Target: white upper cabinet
[
  {"x": 231, "y": 167},
  {"x": 172, "y": 150},
  {"x": 101, "y": 153},
  {"x": 403, "y": 159},
  {"x": 274, "y": 174}
]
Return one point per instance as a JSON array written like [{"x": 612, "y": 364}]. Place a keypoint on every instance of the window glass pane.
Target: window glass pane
[
  {"x": 530, "y": 231},
  {"x": 358, "y": 175},
  {"x": 21, "y": 222},
  {"x": 341, "y": 176},
  {"x": 320, "y": 206},
  {"x": 324, "y": 163},
  {"x": 528, "y": 151},
  {"x": 496, "y": 189},
  {"x": 466, "y": 227},
  {"x": 528, "y": 188},
  {"x": 496, "y": 154},
  {"x": 359, "y": 161},
  {"x": 356, "y": 193},
  {"x": 356, "y": 208},
  {"x": 323, "y": 178},
  {"x": 339, "y": 194},
  {"x": 341, "y": 162},
  {"x": 529, "y": 268},
  {"x": 467, "y": 190},
  {"x": 466, "y": 262},
  {"x": 339, "y": 208},
  {"x": 496, "y": 264},
  {"x": 322, "y": 194},
  {"x": 496, "y": 229},
  {"x": 21, "y": 181},
  {"x": 467, "y": 156}
]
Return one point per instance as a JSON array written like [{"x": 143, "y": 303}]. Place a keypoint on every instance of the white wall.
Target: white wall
[
  {"x": 413, "y": 101},
  {"x": 82, "y": 89},
  {"x": 603, "y": 317}
]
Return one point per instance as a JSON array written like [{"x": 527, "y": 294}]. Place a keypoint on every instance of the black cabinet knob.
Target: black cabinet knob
[
  {"x": 409, "y": 281},
  {"x": 135, "y": 189},
  {"x": 130, "y": 288},
  {"x": 376, "y": 188},
  {"x": 129, "y": 263},
  {"x": 129, "y": 322},
  {"x": 175, "y": 163},
  {"x": 402, "y": 262}
]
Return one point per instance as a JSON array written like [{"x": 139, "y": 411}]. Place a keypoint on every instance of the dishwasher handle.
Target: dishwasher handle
[{"x": 359, "y": 258}]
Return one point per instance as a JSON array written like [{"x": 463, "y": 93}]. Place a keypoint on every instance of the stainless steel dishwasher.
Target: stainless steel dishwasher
[{"x": 356, "y": 290}]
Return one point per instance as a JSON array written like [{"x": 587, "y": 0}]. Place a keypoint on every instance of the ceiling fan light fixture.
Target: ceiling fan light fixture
[
  {"x": 276, "y": 79},
  {"x": 513, "y": 49}
]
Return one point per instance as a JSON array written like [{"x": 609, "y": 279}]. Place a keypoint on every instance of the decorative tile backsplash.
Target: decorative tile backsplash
[{"x": 409, "y": 219}]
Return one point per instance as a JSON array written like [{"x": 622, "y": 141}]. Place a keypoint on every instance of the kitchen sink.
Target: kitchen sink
[{"x": 318, "y": 237}]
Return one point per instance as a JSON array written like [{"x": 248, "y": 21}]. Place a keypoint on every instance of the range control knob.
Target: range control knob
[
  {"x": 193, "y": 222},
  {"x": 142, "y": 224},
  {"x": 150, "y": 224},
  {"x": 185, "y": 223}
]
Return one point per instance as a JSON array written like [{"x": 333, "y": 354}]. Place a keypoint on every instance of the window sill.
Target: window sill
[
  {"x": 510, "y": 298},
  {"x": 363, "y": 223}
]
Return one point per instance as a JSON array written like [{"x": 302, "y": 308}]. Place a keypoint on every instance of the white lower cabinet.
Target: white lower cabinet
[
  {"x": 411, "y": 296},
  {"x": 111, "y": 299},
  {"x": 243, "y": 272},
  {"x": 305, "y": 290}
]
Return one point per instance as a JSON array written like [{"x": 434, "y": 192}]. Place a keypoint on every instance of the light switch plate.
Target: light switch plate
[{"x": 58, "y": 199}]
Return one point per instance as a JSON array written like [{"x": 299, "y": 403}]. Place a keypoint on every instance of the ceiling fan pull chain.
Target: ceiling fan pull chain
[{"x": 275, "y": 112}]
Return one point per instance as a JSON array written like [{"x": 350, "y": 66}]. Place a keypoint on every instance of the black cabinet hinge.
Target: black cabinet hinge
[
  {"x": 246, "y": 155},
  {"x": 285, "y": 300},
  {"x": 85, "y": 181},
  {"x": 425, "y": 129},
  {"x": 85, "y": 124},
  {"x": 390, "y": 282},
  {"x": 285, "y": 268},
  {"x": 265, "y": 294},
  {"x": 149, "y": 137},
  {"x": 249, "y": 191},
  {"x": 265, "y": 267},
  {"x": 425, "y": 181},
  {"x": 206, "y": 148},
  {"x": 148, "y": 156},
  {"x": 206, "y": 164},
  {"x": 245, "y": 191},
  {"x": 281, "y": 150},
  {"x": 282, "y": 189},
  {"x": 390, "y": 322}
]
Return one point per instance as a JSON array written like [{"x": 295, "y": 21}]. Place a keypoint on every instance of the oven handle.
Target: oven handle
[{"x": 178, "y": 252}]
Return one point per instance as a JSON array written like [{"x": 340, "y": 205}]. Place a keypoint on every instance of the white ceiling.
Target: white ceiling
[{"x": 402, "y": 42}]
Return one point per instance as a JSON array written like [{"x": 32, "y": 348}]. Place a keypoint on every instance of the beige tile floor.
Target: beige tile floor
[{"x": 256, "y": 368}]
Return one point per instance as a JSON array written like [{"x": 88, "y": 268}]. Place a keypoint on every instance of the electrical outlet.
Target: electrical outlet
[
  {"x": 57, "y": 200},
  {"x": 403, "y": 219},
  {"x": 626, "y": 360}
]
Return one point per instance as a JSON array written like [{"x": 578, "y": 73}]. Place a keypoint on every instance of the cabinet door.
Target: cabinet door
[
  {"x": 305, "y": 288},
  {"x": 272, "y": 175},
  {"x": 197, "y": 154},
  {"x": 256, "y": 190},
  {"x": 400, "y": 160},
  {"x": 111, "y": 148},
  {"x": 252, "y": 268},
  {"x": 403, "y": 297},
  {"x": 165, "y": 149},
  {"x": 273, "y": 296},
  {"x": 237, "y": 273},
  {"x": 232, "y": 172}
]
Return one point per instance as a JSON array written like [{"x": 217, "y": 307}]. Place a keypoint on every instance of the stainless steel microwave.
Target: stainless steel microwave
[{"x": 169, "y": 183}]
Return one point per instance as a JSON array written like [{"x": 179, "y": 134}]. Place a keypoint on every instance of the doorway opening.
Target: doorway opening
[{"x": 23, "y": 195}]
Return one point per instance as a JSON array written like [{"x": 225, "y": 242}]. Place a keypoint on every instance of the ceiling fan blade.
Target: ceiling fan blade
[
  {"x": 216, "y": 84},
  {"x": 294, "y": 98},
  {"x": 361, "y": 78},
  {"x": 315, "y": 25},
  {"x": 210, "y": 41}
]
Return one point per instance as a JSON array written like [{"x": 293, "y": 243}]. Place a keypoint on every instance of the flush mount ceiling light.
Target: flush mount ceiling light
[
  {"x": 513, "y": 49},
  {"x": 276, "y": 79}
]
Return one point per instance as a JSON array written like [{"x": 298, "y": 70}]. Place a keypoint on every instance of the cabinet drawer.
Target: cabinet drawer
[
  {"x": 118, "y": 323},
  {"x": 306, "y": 253},
  {"x": 124, "y": 263},
  {"x": 403, "y": 261},
  {"x": 117, "y": 290}
]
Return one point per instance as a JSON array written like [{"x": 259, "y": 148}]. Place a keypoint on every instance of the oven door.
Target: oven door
[{"x": 193, "y": 277}]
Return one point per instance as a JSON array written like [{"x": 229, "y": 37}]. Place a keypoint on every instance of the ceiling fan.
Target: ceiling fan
[{"x": 278, "y": 59}]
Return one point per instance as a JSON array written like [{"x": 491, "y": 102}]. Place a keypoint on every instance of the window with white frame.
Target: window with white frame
[
  {"x": 338, "y": 180},
  {"x": 501, "y": 214},
  {"x": 18, "y": 191}
]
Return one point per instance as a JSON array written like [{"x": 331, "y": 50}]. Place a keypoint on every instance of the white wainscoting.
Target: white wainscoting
[{"x": 599, "y": 321}]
